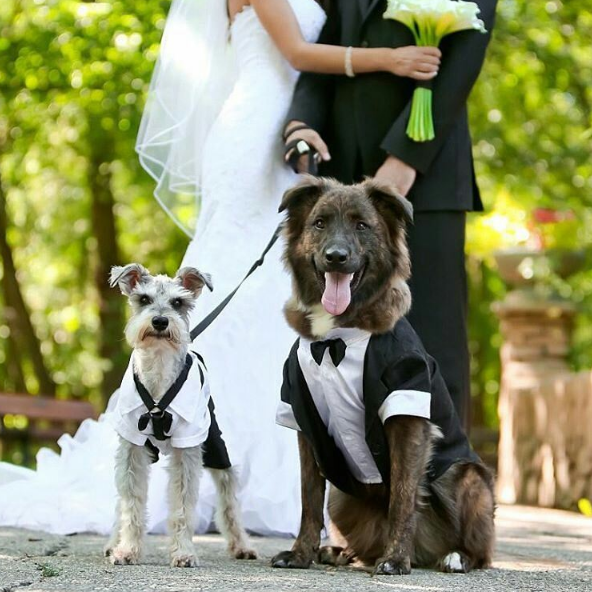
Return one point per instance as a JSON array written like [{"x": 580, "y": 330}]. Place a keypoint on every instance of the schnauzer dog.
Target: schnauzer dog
[{"x": 164, "y": 406}]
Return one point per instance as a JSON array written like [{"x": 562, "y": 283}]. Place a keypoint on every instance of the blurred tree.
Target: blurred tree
[
  {"x": 531, "y": 119},
  {"x": 73, "y": 76},
  {"x": 22, "y": 343}
]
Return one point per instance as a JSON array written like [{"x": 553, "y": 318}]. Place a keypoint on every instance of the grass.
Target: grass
[{"x": 48, "y": 571}]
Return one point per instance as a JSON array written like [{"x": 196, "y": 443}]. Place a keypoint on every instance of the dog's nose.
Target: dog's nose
[
  {"x": 336, "y": 255},
  {"x": 160, "y": 323}
]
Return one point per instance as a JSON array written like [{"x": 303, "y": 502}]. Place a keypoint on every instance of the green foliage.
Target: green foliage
[
  {"x": 73, "y": 79},
  {"x": 531, "y": 111},
  {"x": 48, "y": 571},
  {"x": 531, "y": 119}
]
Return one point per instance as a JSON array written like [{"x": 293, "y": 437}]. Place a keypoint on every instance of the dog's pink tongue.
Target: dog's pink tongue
[{"x": 337, "y": 295}]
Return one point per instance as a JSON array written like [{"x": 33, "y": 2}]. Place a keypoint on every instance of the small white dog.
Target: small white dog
[{"x": 164, "y": 406}]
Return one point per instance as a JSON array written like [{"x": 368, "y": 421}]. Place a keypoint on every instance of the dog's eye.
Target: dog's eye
[
  {"x": 176, "y": 302},
  {"x": 319, "y": 223},
  {"x": 144, "y": 300},
  {"x": 362, "y": 226}
]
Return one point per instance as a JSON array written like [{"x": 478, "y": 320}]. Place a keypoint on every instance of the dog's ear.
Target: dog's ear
[
  {"x": 299, "y": 202},
  {"x": 306, "y": 192},
  {"x": 193, "y": 280},
  {"x": 128, "y": 277},
  {"x": 387, "y": 200},
  {"x": 396, "y": 212}
]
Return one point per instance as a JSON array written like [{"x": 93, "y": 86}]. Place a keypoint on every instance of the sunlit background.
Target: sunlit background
[{"x": 74, "y": 201}]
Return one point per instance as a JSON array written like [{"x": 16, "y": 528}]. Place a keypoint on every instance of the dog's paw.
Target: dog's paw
[
  {"x": 124, "y": 556},
  {"x": 337, "y": 556},
  {"x": 291, "y": 560},
  {"x": 184, "y": 560},
  {"x": 455, "y": 562},
  {"x": 389, "y": 566},
  {"x": 329, "y": 555},
  {"x": 242, "y": 553}
]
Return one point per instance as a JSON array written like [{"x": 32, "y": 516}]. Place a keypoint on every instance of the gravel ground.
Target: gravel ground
[{"x": 537, "y": 550}]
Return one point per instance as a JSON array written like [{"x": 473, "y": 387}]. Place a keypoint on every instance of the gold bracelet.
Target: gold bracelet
[{"x": 349, "y": 70}]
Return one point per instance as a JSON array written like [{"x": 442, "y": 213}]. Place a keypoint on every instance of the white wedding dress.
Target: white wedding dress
[{"x": 243, "y": 180}]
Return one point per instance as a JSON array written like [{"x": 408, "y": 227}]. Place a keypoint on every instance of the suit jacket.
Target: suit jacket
[
  {"x": 394, "y": 361},
  {"x": 192, "y": 413},
  {"x": 363, "y": 119}
]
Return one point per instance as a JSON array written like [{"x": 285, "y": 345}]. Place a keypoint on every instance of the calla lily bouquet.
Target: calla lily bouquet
[{"x": 430, "y": 21}]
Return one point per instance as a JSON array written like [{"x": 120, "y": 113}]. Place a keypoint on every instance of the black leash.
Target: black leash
[
  {"x": 210, "y": 318},
  {"x": 312, "y": 169}
]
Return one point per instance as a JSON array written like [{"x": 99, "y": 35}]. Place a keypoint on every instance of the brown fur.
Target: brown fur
[
  {"x": 403, "y": 526},
  {"x": 382, "y": 296},
  {"x": 312, "y": 485}
]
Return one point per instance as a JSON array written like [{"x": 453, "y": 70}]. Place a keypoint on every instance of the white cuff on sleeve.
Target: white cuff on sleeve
[
  {"x": 416, "y": 403},
  {"x": 285, "y": 416}
]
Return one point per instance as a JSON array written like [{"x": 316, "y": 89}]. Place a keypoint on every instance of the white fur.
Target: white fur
[
  {"x": 321, "y": 322},
  {"x": 435, "y": 432},
  {"x": 159, "y": 366},
  {"x": 453, "y": 563},
  {"x": 184, "y": 472},
  {"x": 228, "y": 514},
  {"x": 131, "y": 479},
  {"x": 158, "y": 361}
]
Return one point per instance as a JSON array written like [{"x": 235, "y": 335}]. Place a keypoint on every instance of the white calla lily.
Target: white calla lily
[{"x": 430, "y": 21}]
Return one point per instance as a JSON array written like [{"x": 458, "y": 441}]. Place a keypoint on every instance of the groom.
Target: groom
[{"x": 358, "y": 126}]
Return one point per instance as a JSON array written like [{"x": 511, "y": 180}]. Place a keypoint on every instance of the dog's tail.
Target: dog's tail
[{"x": 228, "y": 518}]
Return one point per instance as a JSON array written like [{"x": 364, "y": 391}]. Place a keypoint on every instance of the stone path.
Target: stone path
[{"x": 538, "y": 550}]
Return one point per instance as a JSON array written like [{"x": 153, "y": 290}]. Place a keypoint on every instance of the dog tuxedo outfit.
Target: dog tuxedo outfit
[
  {"x": 339, "y": 392},
  {"x": 183, "y": 418}
]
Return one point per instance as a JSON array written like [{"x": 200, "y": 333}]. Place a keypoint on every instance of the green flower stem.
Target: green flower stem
[{"x": 421, "y": 122}]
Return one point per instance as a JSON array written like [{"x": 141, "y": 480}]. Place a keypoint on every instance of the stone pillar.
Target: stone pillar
[{"x": 536, "y": 341}]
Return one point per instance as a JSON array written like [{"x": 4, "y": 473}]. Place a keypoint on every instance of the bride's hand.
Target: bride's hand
[{"x": 419, "y": 63}]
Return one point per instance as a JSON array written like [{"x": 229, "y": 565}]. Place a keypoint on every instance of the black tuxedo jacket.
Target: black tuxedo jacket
[
  {"x": 394, "y": 361},
  {"x": 363, "y": 119}
]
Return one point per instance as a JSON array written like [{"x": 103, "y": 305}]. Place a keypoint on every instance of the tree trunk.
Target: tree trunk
[
  {"x": 15, "y": 382},
  {"x": 111, "y": 315},
  {"x": 24, "y": 342}
]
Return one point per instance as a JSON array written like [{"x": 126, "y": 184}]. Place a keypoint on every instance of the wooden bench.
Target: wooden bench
[{"x": 47, "y": 419}]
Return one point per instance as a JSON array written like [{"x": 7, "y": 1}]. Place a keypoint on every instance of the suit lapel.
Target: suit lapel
[
  {"x": 328, "y": 456},
  {"x": 375, "y": 392},
  {"x": 371, "y": 6},
  {"x": 364, "y": 5}
]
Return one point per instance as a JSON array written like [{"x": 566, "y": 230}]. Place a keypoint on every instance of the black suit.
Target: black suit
[
  {"x": 363, "y": 119},
  {"x": 394, "y": 362}
]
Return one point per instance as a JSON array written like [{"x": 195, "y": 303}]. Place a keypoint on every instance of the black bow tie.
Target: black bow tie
[
  {"x": 162, "y": 420},
  {"x": 336, "y": 347}
]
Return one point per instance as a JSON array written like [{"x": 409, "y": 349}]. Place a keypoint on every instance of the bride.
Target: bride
[{"x": 212, "y": 131}]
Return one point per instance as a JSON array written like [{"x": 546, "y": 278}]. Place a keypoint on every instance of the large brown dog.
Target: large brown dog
[{"x": 347, "y": 252}]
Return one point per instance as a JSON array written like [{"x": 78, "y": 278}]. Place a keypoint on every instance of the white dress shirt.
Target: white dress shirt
[
  {"x": 338, "y": 395},
  {"x": 189, "y": 408}
]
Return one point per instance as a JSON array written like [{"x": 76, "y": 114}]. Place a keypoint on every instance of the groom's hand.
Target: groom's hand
[
  {"x": 397, "y": 173},
  {"x": 312, "y": 138}
]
